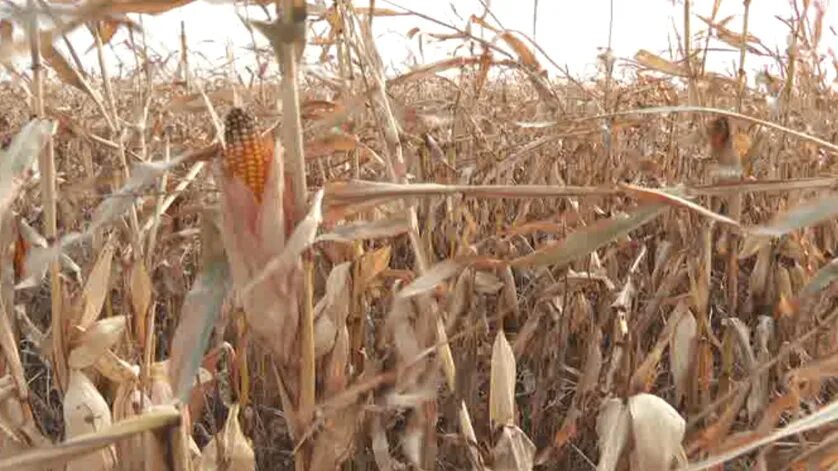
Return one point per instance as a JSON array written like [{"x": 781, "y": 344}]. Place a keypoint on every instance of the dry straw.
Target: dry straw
[{"x": 471, "y": 265}]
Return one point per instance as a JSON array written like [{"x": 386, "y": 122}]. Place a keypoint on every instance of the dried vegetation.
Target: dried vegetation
[{"x": 467, "y": 266}]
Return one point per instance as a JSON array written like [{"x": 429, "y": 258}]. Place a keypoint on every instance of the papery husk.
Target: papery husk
[{"x": 253, "y": 235}]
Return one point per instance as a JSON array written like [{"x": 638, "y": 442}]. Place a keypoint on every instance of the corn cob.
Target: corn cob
[{"x": 248, "y": 154}]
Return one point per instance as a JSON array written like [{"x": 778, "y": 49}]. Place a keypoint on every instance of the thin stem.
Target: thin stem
[
  {"x": 48, "y": 197},
  {"x": 293, "y": 19},
  {"x": 743, "y": 50}
]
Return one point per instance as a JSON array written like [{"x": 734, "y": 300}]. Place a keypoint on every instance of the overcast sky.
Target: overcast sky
[{"x": 571, "y": 32}]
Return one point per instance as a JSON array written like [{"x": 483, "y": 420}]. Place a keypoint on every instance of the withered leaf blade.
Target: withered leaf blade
[
  {"x": 380, "y": 228},
  {"x": 436, "y": 275},
  {"x": 66, "y": 72},
  {"x": 117, "y": 204},
  {"x": 805, "y": 215},
  {"x": 823, "y": 278},
  {"x": 86, "y": 443},
  {"x": 525, "y": 54},
  {"x": 96, "y": 288},
  {"x": 21, "y": 153},
  {"x": 200, "y": 310},
  {"x": 672, "y": 198},
  {"x": 586, "y": 240},
  {"x": 613, "y": 429},
  {"x": 655, "y": 62},
  {"x": 195, "y": 102}
]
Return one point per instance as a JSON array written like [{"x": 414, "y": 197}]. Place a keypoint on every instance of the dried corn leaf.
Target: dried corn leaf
[
  {"x": 435, "y": 275},
  {"x": 613, "y": 428},
  {"x": 95, "y": 290},
  {"x": 655, "y": 62},
  {"x": 39, "y": 458},
  {"x": 805, "y": 215},
  {"x": 140, "y": 288},
  {"x": 95, "y": 341},
  {"x": 85, "y": 412},
  {"x": 524, "y": 53},
  {"x": 200, "y": 309},
  {"x": 657, "y": 432},
  {"x": 331, "y": 310},
  {"x": 825, "y": 415},
  {"x": 380, "y": 228},
  {"x": 502, "y": 383},
  {"x": 682, "y": 351},
  {"x": 594, "y": 236},
  {"x": 514, "y": 451},
  {"x": 196, "y": 103},
  {"x": 371, "y": 264},
  {"x": 823, "y": 278},
  {"x": 229, "y": 449},
  {"x": 428, "y": 70},
  {"x": 19, "y": 156}
]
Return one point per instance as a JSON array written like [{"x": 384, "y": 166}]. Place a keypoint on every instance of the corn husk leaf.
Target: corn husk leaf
[
  {"x": 86, "y": 411},
  {"x": 229, "y": 449},
  {"x": 657, "y": 431},
  {"x": 95, "y": 341},
  {"x": 502, "y": 383},
  {"x": 514, "y": 450}
]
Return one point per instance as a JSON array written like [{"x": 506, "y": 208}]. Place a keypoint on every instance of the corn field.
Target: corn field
[{"x": 475, "y": 264}]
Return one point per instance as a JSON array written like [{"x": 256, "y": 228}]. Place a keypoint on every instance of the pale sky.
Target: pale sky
[{"x": 571, "y": 32}]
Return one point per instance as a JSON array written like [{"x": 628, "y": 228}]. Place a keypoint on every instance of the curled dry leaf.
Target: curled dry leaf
[
  {"x": 436, "y": 275},
  {"x": 91, "y": 345},
  {"x": 655, "y": 62},
  {"x": 502, "y": 383},
  {"x": 524, "y": 53},
  {"x": 332, "y": 309},
  {"x": 229, "y": 449},
  {"x": 86, "y": 411}
]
